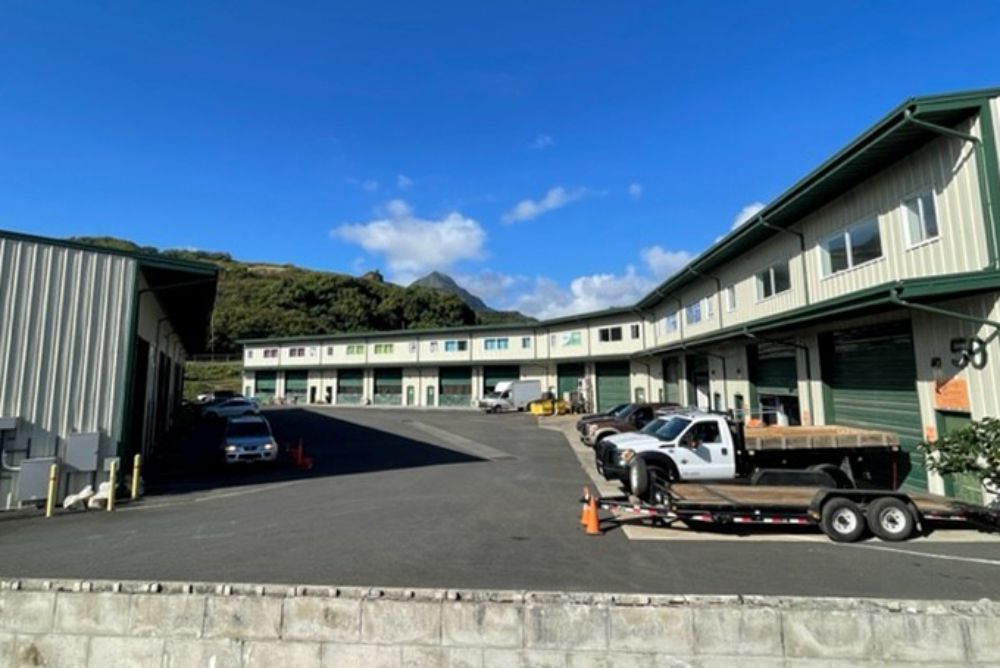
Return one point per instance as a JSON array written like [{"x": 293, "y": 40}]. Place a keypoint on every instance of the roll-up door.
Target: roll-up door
[
  {"x": 494, "y": 374},
  {"x": 388, "y": 387},
  {"x": 350, "y": 386},
  {"x": 265, "y": 385},
  {"x": 613, "y": 385},
  {"x": 455, "y": 386},
  {"x": 296, "y": 386},
  {"x": 775, "y": 382},
  {"x": 871, "y": 376},
  {"x": 569, "y": 375},
  {"x": 672, "y": 380}
]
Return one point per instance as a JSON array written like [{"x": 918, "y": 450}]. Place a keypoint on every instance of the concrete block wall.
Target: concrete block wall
[{"x": 167, "y": 625}]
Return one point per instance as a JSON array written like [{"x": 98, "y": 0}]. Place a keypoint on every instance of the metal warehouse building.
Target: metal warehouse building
[
  {"x": 92, "y": 349},
  {"x": 866, "y": 295}
]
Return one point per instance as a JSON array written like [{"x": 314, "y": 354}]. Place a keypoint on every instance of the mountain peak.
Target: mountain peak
[{"x": 445, "y": 283}]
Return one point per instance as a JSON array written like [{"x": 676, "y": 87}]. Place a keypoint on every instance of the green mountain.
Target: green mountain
[
  {"x": 484, "y": 314},
  {"x": 258, "y": 300}
]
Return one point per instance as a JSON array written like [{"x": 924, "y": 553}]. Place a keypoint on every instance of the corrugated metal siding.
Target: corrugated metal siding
[
  {"x": 946, "y": 165},
  {"x": 63, "y": 341}
]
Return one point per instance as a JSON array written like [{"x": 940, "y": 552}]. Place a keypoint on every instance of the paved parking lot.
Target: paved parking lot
[{"x": 446, "y": 499}]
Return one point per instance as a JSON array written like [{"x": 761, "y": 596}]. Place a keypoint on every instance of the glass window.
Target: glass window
[
  {"x": 731, "y": 299},
  {"x": 671, "y": 321},
  {"x": 433, "y": 346},
  {"x": 856, "y": 245},
  {"x": 502, "y": 344},
  {"x": 709, "y": 308},
  {"x": 249, "y": 354},
  {"x": 705, "y": 432},
  {"x": 693, "y": 312},
  {"x": 525, "y": 341},
  {"x": 635, "y": 331},
  {"x": 329, "y": 350},
  {"x": 773, "y": 280},
  {"x": 572, "y": 339},
  {"x": 607, "y": 334},
  {"x": 355, "y": 349},
  {"x": 384, "y": 348},
  {"x": 413, "y": 347},
  {"x": 490, "y": 344},
  {"x": 921, "y": 218}
]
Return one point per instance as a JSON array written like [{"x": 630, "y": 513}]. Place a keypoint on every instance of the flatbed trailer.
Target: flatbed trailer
[{"x": 844, "y": 515}]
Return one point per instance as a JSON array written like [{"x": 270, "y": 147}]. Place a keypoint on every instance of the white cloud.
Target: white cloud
[
  {"x": 547, "y": 299},
  {"x": 555, "y": 198},
  {"x": 662, "y": 262},
  {"x": 747, "y": 212},
  {"x": 369, "y": 186},
  {"x": 412, "y": 245},
  {"x": 493, "y": 287},
  {"x": 635, "y": 190},
  {"x": 543, "y": 141},
  {"x": 404, "y": 182}
]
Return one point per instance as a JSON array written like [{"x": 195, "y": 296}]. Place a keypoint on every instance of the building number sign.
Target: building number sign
[{"x": 969, "y": 351}]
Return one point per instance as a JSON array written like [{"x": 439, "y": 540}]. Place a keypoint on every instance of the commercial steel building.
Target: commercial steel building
[
  {"x": 865, "y": 295},
  {"x": 92, "y": 343}
]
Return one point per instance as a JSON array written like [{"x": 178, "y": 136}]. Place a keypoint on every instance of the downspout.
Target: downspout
[
  {"x": 809, "y": 398},
  {"x": 984, "y": 190},
  {"x": 802, "y": 252},
  {"x": 899, "y": 301}
]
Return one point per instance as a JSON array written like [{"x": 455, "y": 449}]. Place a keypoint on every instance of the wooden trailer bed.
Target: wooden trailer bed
[{"x": 816, "y": 438}]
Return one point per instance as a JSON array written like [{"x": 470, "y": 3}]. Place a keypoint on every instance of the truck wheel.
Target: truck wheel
[
  {"x": 842, "y": 520},
  {"x": 890, "y": 519}
]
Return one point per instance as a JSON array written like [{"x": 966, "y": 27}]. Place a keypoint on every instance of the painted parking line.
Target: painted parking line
[
  {"x": 466, "y": 445},
  {"x": 917, "y": 553},
  {"x": 266, "y": 487}
]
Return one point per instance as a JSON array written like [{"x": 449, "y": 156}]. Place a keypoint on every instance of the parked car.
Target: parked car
[
  {"x": 628, "y": 417},
  {"x": 215, "y": 396},
  {"x": 249, "y": 439},
  {"x": 231, "y": 408}
]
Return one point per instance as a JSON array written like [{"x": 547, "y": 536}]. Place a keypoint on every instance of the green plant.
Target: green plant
[{"x": 974, "y": 450}]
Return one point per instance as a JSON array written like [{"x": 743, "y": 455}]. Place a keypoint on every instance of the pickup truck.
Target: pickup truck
[
  {"x": 625, "y": 418},
  {"x": 696, "y": 445}
]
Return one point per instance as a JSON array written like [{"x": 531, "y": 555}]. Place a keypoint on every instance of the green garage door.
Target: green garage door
[
  {"x": 871, "y": 377},
  {"x": 494, "y": 374},
  {"x": 388, "y": 387},
  {"x": 296, "y": 386},
  {"x": 773, "y": 369},
  {"x": 265, "y": 385},
  {"x": 568, "y": 375},
  {"x": 612, "y": 384},
  {"x": 672, "y": 380},
  {"x": 455, "y": 386},
  {"x": 350, "y": 386}
]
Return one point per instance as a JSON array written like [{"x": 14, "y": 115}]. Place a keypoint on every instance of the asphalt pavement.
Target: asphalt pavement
[{"x": 451, "y": 499}]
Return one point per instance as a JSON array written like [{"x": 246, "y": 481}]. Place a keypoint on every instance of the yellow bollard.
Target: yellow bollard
[
  {"x": 136, "y": 465},
  {"x": 50, "y": 499},
  {"x": 112, "y": 480}
]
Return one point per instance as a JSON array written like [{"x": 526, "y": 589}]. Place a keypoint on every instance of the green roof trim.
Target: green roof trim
[
  {"x": 917, "y": 289},
  {"x": 881, "y": 145}
]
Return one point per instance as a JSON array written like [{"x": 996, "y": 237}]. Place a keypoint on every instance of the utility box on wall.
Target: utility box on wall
[
  {"x": 83, "y": 452},
  {"x": 33, "y": 483}
]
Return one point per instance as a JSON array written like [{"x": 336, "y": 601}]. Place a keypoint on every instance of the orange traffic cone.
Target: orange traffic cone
[
  {"x": 592, "y": 523},
  {"x": 583, "y": 509}
]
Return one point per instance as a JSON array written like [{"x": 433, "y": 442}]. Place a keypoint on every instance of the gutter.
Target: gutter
[
  {"x": 984, "y": 189},
  {"x": 899, "y": 301}
]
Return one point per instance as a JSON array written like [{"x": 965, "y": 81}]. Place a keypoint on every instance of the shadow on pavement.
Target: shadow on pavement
[{"x": 191, "y": 460}]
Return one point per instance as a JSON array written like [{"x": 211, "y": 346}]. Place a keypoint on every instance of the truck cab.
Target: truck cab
[{"x": 691, "y": 445}]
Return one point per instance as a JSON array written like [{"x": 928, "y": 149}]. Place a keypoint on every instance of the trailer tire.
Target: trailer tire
[
  {"x": 638, "y": 477},
  {"x": 843, "y": 520},
  {"x": 891, "y": 519}
]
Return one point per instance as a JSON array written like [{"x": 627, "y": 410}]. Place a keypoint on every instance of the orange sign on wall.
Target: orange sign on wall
[{"x": 952, "y": 395}]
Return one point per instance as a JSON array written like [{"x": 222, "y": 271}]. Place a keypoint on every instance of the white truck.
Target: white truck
[
  {"x": 696, "y": 445},
  {"x": 512, "y": 395}
]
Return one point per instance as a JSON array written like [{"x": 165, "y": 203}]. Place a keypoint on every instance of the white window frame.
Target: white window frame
[
  {"x": 845, "y": 233},
  {"x": 670, "y": 322},
  {"x": 693, "y": 307},
  {"x": 329, "y": 350},
  {"x": 769, "y": 270},
  {"x": 413, "y": 347},
  {"x": 609, "y": 332},
  {"x": 907, "y": 230},
  {"x": 525, "y": 342},
  {"x": 635, "y": 331},
  {"x": 730, "y": 298},
  {"x": 249, "y": 354},
  {"x": 433, "y": 346},
  {"x": 708, "y": 308}
]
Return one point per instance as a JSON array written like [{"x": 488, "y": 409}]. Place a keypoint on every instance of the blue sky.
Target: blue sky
[{"x": 554, "y": 157}]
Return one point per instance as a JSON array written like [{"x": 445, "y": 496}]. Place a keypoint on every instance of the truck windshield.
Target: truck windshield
[
  {"x": 670, "y": 431},
  {"x": 620, "y": 411},
  {"x": 653, "y": 426}
]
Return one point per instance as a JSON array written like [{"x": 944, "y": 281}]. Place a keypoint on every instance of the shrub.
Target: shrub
[{"x": 974, "y": 450}]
